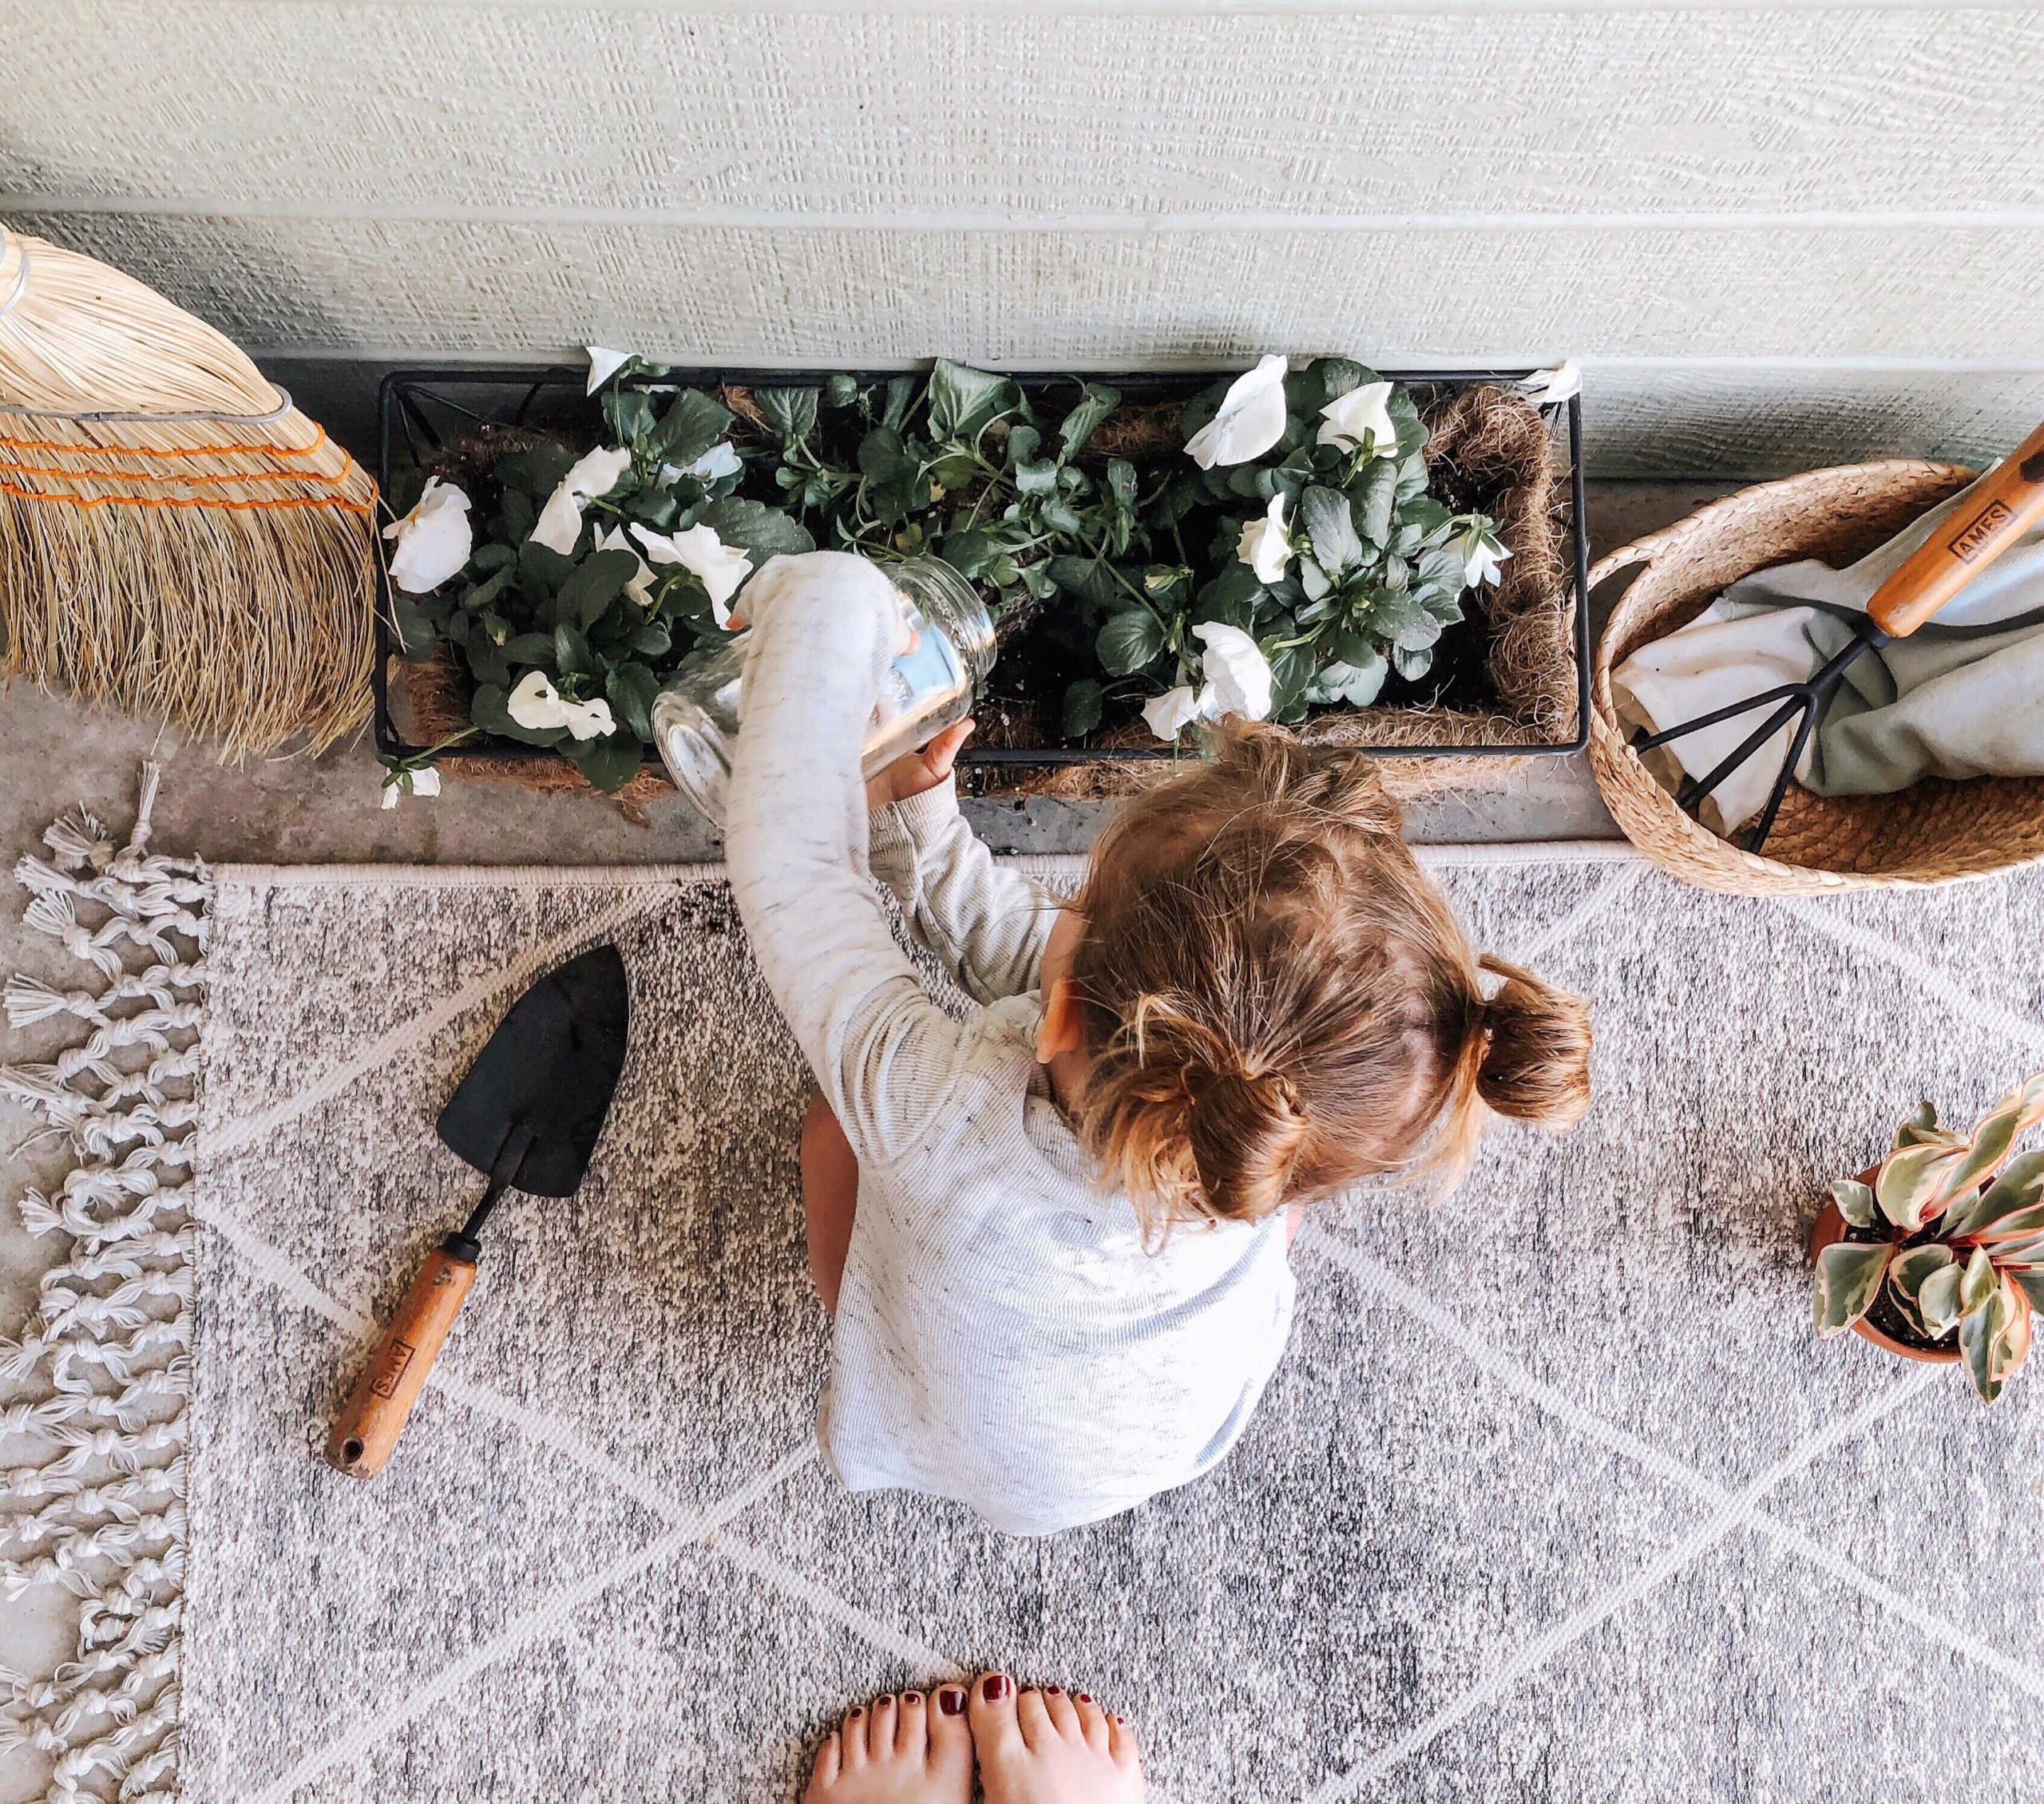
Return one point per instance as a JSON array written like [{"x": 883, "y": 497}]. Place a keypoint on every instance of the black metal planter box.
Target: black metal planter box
[{"x": 424, "y": 413}]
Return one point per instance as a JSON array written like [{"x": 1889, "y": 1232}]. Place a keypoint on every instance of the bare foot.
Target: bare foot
[
  {"x": 905, "y": 1750},
  {"x": 1044, "y": 1747}
]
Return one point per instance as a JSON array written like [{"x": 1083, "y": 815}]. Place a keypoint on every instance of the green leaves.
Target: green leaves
[
  {"x": 790, "y": 413},
  {"x": 765, "y": 532},
  {"x": 1083, "y": 702},
  {"x": 1912, "y": 1183},
  {"x": 1849, "y": 1274},
  {"x": 1907, "y": 1272},
  {"x": 1324, "y": 513},
  {"x": 1130, "y": 641},
  {"x": 594, "y": 583},
  {"x": 1096, "y": 402},
  {"x": 1855, "y": 1201},
  {"x": 609, "y": 763},
  {"x": 962, "y": 400},
  {"x": 691, "y": 426}
]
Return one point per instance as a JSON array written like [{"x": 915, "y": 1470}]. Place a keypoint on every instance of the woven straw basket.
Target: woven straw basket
[{"x": 1931, "y": 833}]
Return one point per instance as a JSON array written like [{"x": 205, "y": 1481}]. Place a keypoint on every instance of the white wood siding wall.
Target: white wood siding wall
[{"x": 1773, "y": 234}]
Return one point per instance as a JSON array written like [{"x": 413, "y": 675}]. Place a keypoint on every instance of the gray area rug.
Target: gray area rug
[{"x": 1554, "y": 1498}]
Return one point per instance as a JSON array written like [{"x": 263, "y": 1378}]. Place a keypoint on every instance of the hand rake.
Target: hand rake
[{"x": 1996, "y": 511}]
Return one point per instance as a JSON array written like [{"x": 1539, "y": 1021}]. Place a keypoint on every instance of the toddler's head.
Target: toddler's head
[{"x": 1275, "y": 1000}]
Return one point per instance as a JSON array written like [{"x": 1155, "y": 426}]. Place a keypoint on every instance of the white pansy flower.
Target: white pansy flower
[
  {"x": 640, "y": 585},
  {"x": 603, "y": 365},
  {"x": 1547, "y": 388},
  {"x": 538, "y": 707},
  {"x": 721, "y": 568},
  {"x": 425, "y": 782},
  {"x": 560, "y": 523},
  {"x": 1237, "y": 673},
  {"x": 1360, "y": 415},
  {"x": 719, "y": 460},
  {"x": 1169, "y": 715},
  {"x": 1250, "y": 420},
  {"x": 1264, "y": 546},
  {"x": 434, "y": 540},
  {"x": 1482, "y": 555}
]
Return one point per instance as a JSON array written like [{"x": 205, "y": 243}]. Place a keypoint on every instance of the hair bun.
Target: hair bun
[
  {"x": 1245, "y": 1130},
  {"x": 1536, "y": 1057}
]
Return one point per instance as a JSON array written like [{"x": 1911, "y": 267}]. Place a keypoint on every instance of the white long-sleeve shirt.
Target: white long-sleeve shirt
[{"x": 1003, "y": 1336}]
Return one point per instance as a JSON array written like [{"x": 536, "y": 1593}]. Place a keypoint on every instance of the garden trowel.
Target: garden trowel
[{"x": 527, "y": 1116}]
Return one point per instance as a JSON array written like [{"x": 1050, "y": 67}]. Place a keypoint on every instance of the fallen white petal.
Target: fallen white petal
[
  {"x": 1361, "y": 415},
  {"x": 1250, "y": 420},
  {"x": 1263, "y": 545},
  {"x": 434, "y": 540},
  {"x": 426, "y": 782},
  {"x": 1237, "y": 671},
  {"x": 391, "y": 795}
]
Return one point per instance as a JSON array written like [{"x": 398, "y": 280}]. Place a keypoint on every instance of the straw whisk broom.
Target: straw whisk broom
[{"x": 175, "y": 538}]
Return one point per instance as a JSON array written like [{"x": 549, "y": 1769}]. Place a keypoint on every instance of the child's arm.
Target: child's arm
[
  {"x": 987, "y": 924},
  {"x": 824, "y": 628}
]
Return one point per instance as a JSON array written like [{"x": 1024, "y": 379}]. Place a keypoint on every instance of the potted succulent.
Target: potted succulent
[{"x": 1938, "y": 1253}]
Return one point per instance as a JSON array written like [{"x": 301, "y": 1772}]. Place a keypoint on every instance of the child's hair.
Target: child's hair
[{"x": 1278, "y": 1003}]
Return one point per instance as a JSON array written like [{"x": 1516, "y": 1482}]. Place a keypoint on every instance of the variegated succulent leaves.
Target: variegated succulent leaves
[{"x": 1964, "y": 1214}]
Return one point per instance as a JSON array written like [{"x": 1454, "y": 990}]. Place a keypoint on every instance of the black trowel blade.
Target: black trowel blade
[{"x": 553, "y": 1064}]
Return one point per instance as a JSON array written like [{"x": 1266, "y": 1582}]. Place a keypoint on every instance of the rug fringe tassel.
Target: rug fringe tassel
[{"x": 93, "y": 1394}]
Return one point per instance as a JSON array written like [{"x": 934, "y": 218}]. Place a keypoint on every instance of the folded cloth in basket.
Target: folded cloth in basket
[{"x": 1962, "y": 696}]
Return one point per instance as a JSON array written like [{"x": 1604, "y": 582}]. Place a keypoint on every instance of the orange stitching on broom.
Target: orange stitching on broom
[
  {"x": 290, "y": 501},
  {"x": 319, "y": 439},
  {"x": 160, "y": 475}
]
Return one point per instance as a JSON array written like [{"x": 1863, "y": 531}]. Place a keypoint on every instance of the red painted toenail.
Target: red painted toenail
[
  {"x": 951, "y": 1700},
  {"x": 855, "y": 1711},
  {"x": 1053, "y": 1690},
  {"x": 912, "y": 1697},
  {"x": 1084, "y": 1697},
  {"x": 994, "y": 1687}
]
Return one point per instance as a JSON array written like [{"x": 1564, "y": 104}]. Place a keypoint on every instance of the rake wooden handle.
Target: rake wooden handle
[
  {"x": 382, "y": 1398},
  {"x": 1998, "y": 509}
]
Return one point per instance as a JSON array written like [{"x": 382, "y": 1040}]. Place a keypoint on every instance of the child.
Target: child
[{"x": 1053, "y": 1234}]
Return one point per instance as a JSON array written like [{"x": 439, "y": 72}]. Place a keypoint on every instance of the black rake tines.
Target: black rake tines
[{"x": 1802, "y": 703}]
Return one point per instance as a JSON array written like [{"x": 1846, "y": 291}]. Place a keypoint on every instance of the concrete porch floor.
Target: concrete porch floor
[{"x": 54, "y": 753}]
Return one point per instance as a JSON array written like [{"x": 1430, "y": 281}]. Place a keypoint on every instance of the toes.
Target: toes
[
  {"x": 1093, "y": 1723},
  {"x": 911, "y": 1726},
  {"x": 1121, "y": 1741},
  {"x": 1032, "y": 1712},
  {"x": 880, "y": 1728},
  {"x": 950, "y": 1735},
  {"x": 1062, "y": 1711},
  {"x": 991, "y": 1712},
  {"x": 824, "y": 1774},
  {"x": 851, "y": 1738}
]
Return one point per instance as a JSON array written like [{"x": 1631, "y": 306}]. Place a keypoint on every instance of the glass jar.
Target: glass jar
[{"x": 695, "y": 717}]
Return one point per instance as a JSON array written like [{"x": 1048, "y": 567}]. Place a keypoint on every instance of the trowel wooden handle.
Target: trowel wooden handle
[
  {"x": 1998, "y": 511},
  {"x": 390, "y": 1384}
]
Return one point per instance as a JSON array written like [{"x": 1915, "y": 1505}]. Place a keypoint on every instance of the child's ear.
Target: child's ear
[{"x": 1061, "y": 1030}]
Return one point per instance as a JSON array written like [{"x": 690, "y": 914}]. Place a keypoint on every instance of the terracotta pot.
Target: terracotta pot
[{"x": 1826, "y": 1230}]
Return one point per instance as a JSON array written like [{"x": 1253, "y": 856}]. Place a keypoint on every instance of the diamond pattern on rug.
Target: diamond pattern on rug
[{"x": 1554, "y": 1497}]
